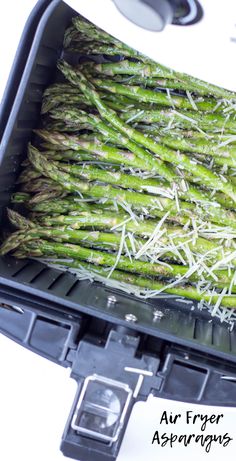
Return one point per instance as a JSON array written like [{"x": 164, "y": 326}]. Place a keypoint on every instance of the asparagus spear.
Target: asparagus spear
[
  {"x": 43, "y": 247},
  {"x": 94, "y": 239},
  {"x": 152, "y": 69},
  {"x": 68, "y": 182},
  {"x": 76, "y": 115},
  {"x": 19, "y": 221},
  {"x": 88, "y": 30},
  {"x": 60, "y": 125},
  {"x": 150, "y": 96},
  {"x": 119, "y": 103},
  {"x": 40, "y": 185},
  {"x": 127, "y": 181},
  {"x": 135, "y": 199},
  {"x": 80, "y": 156},
  {"x": 202, "y": 146},
  {"x": 97, "y": 217},
  {"x": 146, "y": 287},
  {"x": 28, "y": 174},
  {"x": 209, "y": 122},
  {"x": 222, "y": 155},
  {"x": 152, "y": 163},
  {"x": 231, "y": 162},
  {"x": 71, "y": 33},
  {"x": 186, "y": 141},
  {"x": 97, "y": 150},
  {"x": 20, "y": 197},
  {"x": 153, "y": 82},
  {"x": 208, "y": 178},
  {"x": 45, "y": 196}
]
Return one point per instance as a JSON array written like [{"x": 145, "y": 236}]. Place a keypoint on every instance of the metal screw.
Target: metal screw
[
  {"x": 111, "y": 300},
  {"x": 131, "y": 318},
  {"x": 186, "y": 356},
  {"x": 157, "y": 314}
]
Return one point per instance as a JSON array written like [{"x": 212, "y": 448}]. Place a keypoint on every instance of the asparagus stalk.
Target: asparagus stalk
[
  {"x": 145, "y": 286},
  {"x": 50, "y": 102},
  {"x": 154, "y": 82},
  {"x": 97, "y": 150},
  {"x": 98, "y": 217},
  {"x": 126, "y": 181},
  {"x": 189, "y": 119},
  {"x": 41, "y": 184},
  {"x": 87, "y": 48},
  {"x": 88, "y": 30},
  {"x": 231, "y": 161},
  {"x": 80, "y": 156},
  {"x": 150, "y": 96},
  {"x": 201, "y": 146},
  {"x": 101, "y": 150},
  {"x": 135, "y": 199},
  {"x": 94, "y": 239},
  {"x": 153, "y": 163},
  {"x": 175, "y": 132},
  {"x": 71, "y": 34},
  {"x": 43, "y": 247},
  {"x": 172, "y": 238},
  {"x": 75, "y": 115},
  {"x": 119, "y": 103},
  {"x": 45, "y": 196},
  {"x": 20, "y": 197},
  {"x": 37, "y": 203},
  {"x": 60, "y": 125},
  {"x": 222, "y": 155},
  {"x": 145, "y": 69},
  {"x": 19, "y": 221},
  {"x": 186, "y": 141},
  {"x": 208, "y": 178},
  {"x": 28, "y": 174}
]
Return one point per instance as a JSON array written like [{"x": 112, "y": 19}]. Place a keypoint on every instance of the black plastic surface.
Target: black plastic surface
[
  {"x": 19, "y": 62},
  {"x": 42, "y": 331},
  {"x": 32, "y": 279},
  {"x": 165, "y": 372}
]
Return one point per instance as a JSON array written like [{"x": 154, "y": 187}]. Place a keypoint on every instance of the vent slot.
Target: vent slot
[
  {"x": 185, "y": 380},
  {"x": 28, "y": 272},
  {"x": 45, "y": 278},
  {"x": 62, "y": 284},
  {"x": 38, "y": 276},
  {"x": 14, "y": 324},
  {"x": 203, "y": 332},
  {"x": 49, "y": 337},
  {"x": 187, "y": 327},
  {"x": 219, "y": 391},
  {"x": 23, "y": 266},
  {"x": 73, "y": 288},
  {"x": 233, "y": 341},
  {"x": 221, "y": 338}
]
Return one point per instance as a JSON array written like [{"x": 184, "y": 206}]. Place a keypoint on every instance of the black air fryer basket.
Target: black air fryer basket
[{"x": 189, "y": 356}]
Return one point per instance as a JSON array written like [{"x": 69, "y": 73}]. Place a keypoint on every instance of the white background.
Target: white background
[{"x": 36, "y": 395}]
